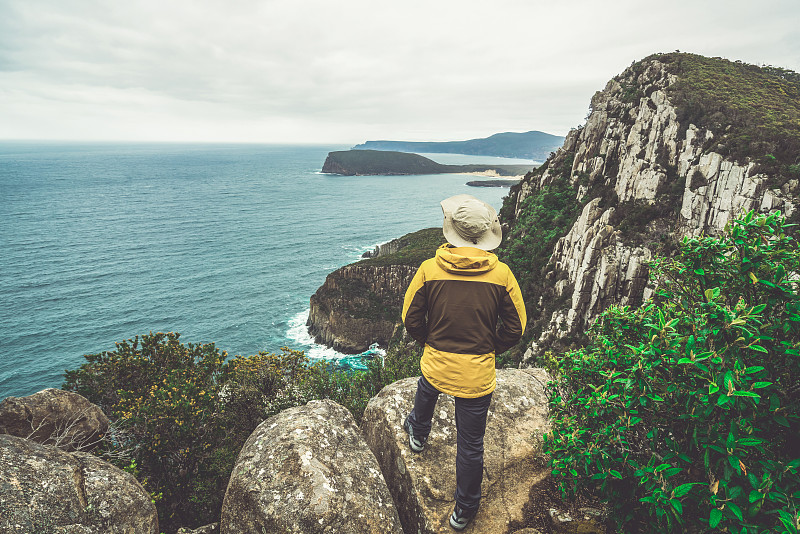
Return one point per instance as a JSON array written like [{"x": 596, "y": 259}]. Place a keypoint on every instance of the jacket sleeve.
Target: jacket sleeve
[
  {"x": 415, "y": 308},
  {"x": 512, "y": 317}
]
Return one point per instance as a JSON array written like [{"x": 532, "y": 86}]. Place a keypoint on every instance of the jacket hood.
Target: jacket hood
[{"x": 465, "y": 260}]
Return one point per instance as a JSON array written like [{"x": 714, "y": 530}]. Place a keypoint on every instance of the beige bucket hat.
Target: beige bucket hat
[{"x": 469, "y": 222}]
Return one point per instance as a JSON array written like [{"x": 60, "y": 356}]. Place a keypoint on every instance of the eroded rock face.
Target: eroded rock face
[
  {"x": 634, "y": 148},
  {"x": 307, "y": 470},
  {"x": 423, "y": 484},
  {"x": 54, "y": 417},
  {"x": 359, "y": 305},
  {"x": 44, "y": 489}
]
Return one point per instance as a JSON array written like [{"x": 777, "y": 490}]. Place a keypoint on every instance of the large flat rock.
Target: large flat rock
[
  {"x": 44, "y": 489},
  {"x": 307, "y": 470},
  {"x": 423, "y": 485}
]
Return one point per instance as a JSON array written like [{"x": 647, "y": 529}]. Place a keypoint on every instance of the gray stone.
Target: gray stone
[
  {"x": 307, "y": 470},
  {"x": 44, "y": 489},
  {"x": 54, "y": 417},
  {"x": 423, "y": 484},
  {"x": 213, "y": 528},
  {"x": 582, "y": 521}
]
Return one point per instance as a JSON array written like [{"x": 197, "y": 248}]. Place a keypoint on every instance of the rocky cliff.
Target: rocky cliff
[
  {"x": 675, "y": 145},
  {"x": 359, "y": 304}
]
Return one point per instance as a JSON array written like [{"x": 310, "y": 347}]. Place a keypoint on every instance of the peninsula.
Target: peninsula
[
  {"x": 381, "y": 162},
  {"x": 533, "y": 145}
]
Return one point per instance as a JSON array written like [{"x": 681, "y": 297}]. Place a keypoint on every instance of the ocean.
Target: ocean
[{"x": 222, "y": 243}]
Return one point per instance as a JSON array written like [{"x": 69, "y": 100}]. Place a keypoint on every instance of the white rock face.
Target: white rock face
[{"x": 633, "y": 143}]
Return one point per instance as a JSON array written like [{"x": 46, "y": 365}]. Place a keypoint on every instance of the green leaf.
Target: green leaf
[
  {"x": 714, "y": 517},
  {"x": 747, "y": 442},
  {"x": 683, "y": 489},
  {"x": 745, "y": 394},
  {"x": 758, "y": 348},
  {"x": 759, "y": 385},
  {"x": 753, "y": 369},
  {"x": 615, "y": 473},
  {"x": 736, "y": 510},
  {"x": 734, "y": 461},
  {"x": 677, "y": 505},
  {"x": 755, "y": 495}
]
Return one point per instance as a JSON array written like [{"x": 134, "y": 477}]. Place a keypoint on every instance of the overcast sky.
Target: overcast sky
[{"x": 325, "y": 71}]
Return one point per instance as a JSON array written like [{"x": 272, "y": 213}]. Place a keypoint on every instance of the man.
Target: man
[{"x": 452, "y": 308}]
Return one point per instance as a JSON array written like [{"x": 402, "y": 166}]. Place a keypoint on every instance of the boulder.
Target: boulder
[
  {"x": 423, "y": 484},
  {"x": 308, "y": 470},
  {"x": 54, "y": 417},
  {"x": 44, "y": 489}
]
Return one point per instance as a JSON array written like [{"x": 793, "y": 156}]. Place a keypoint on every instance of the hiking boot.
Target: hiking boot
[
  {"x": 459, "y": 519},
  {"x": 415, "y": 443}
]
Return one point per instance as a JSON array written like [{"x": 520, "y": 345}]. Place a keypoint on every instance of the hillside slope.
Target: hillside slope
[
  {"x": 676, "y": 145},
  {"x": 534, "y": 145}
]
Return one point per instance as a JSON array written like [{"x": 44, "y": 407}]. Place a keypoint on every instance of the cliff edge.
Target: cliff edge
[
  {"x": 676, "y": 145},
  {"x": 359, "y": 304}
]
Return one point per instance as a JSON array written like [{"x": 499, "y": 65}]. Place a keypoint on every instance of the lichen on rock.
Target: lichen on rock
[{"x": 308, "y": 470}]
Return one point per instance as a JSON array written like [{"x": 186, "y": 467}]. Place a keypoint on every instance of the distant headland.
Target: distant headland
[
  {"x": 533, "y": 145},
  {"x": 381, "y": 162}
]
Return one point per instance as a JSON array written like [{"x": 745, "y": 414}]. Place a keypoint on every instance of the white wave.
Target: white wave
[{"x": 298, "y": 332}]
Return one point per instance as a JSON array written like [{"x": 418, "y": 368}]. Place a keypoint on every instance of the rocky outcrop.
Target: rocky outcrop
[
  {"x": 645, "y": 178},
  {"x": 54, "y": 417},
  {"x": 360, "y": 304},
  {"x": 307, "y": 470},
  {"x": 423, "y": 484},
  {"x": 44, "y": 489},
  {"x": 384, "y": 249}
]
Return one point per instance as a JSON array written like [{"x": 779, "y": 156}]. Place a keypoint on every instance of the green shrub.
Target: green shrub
[
  {"x": 163, "y": 398},
  {"x": 684, "y": 414}
]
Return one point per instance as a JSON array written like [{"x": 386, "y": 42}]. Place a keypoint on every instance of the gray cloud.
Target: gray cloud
[{"x": 315, "y": 70}]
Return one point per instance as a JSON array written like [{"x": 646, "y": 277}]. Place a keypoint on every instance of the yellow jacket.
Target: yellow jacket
[{"x": 452, "y": 307}]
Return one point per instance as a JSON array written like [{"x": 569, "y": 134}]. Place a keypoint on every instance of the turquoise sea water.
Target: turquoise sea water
[{"x": 222, "y": 243}]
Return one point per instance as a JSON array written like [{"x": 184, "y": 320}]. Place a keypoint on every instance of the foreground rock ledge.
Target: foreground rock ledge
[
  {"x": 44, "y": 489},
  {"x": 423, "y": 484},
  {"x": 307, "y": 470}
]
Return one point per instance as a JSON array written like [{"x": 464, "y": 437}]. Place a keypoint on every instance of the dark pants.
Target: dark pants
[{"x": 470, "y": 429}]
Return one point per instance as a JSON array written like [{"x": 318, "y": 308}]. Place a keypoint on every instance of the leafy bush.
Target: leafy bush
[
  {"x": 684, "y": 414},
  {"x": 164, "y": 398}
]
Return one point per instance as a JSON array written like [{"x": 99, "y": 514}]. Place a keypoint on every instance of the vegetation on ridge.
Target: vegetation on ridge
[{"x": 754, "y": 111}]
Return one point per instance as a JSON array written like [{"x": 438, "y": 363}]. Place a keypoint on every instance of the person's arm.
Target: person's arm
[
  {"x": 415, "y": 308},
  {"x": 512, "y": 315}
]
